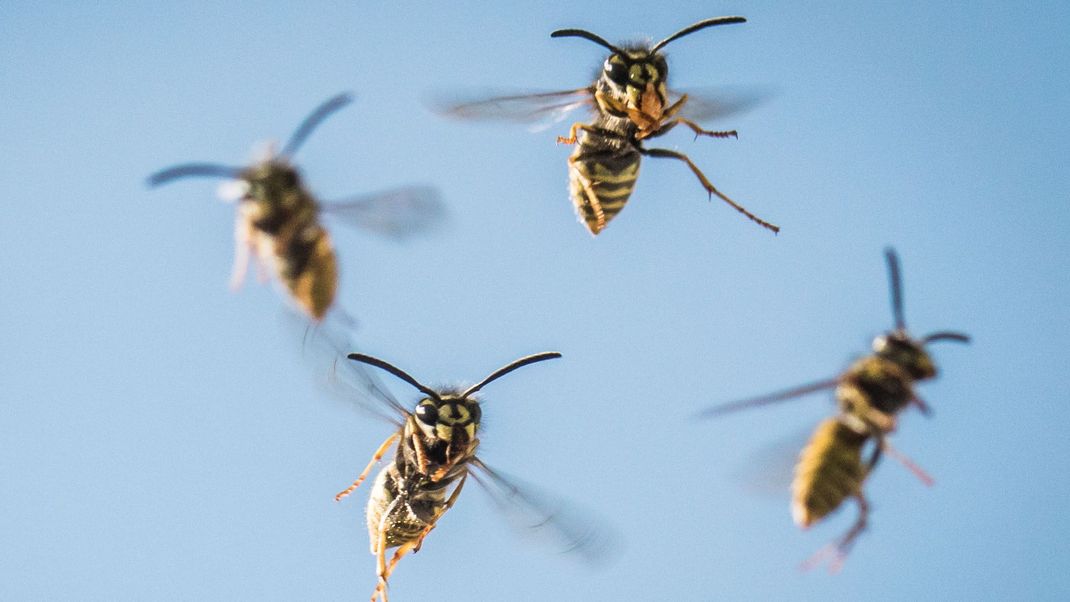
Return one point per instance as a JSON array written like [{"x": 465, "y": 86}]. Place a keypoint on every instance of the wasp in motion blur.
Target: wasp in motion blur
[
  {"x": 279, "y": 218},
  {"x": 870, "y": 394},
  {"x": 435, "y": 453},
  {"x": 633, "y": 103}
]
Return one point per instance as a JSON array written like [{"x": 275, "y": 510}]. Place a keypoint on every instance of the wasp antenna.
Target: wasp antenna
[
  {"x": 398, "y": 372},
  {"x": 311, "y": 122},
  {"x": 947, "y": 336},
  {"x": 896, "y": 284},
  {"x": 697, "y": 26},
  {"x": 580, "y": 33},
  {"x": 188, "y": 170},
  {"x": 785, "y": 395},
  {"x": 520, "y": 363}
]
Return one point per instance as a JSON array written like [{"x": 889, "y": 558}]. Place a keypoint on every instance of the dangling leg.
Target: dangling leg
[
  {"x": 840, "y": 548},
  {"x": 380, "y": 553},
  {"x": 661, "y": 152},
  {"x": 379, "y": 453},
  {"x": 907, "y": 462},
  {"x": 449, "y": 504},
  {"x": 243, "y": 243}
]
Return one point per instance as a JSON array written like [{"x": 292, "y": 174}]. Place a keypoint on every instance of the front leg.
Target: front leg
[{"x": 590, "y": 129}]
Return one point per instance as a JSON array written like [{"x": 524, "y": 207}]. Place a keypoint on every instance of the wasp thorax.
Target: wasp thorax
[
  {"x": 449, "y": 418},
  {"x": 899, "y": 348}
]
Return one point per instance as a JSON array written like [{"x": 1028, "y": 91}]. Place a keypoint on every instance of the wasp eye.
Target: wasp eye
[
  {"x": 616, "y": 71},
  {"x": 427, "y": 413},
  {"x": 474, "y": 413}
]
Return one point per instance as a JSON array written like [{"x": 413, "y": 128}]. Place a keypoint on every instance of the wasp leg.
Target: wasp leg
[
  {"x": 906, "y": 461},
  {"x": 576, "y": 127},
  {"x": 380, "y": 553},
  {"x": 379, "y": 453},
  {"x": 840, "y": 548},
  {"x": 699, "y": 131},
  {"x": 243, "y": 243},
  {"x": 449, "y": 504},
  {"x": 661, "y": 152}
]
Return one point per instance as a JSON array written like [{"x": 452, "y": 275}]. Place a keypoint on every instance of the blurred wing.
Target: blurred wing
[
  {"x": 704, "y": 104},
  {"x": 768, "y": 471},
  {"x": 398, "y": 214},
  {"x": 570, "y": 529},
  {"x": 539, "y": 110},
  {"x": 323, "y": 347}
]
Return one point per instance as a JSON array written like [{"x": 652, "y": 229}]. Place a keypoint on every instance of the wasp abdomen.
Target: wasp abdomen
[
  {"x": 307, "y": 267},
  {"x": 829, "y": 471},
  {"x": 600, "y": 183},
  {"x": 402, "y": 516}
]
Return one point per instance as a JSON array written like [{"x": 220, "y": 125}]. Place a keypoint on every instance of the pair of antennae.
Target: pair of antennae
[
  {"x": 300, "y": 135},
  {"x": 896, "y": 284},
  {"x": 580, "y": 33},
  {"x": 500, "y": 372}
]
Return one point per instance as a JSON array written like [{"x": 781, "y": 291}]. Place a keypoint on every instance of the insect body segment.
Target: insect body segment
[
  {"x": 436, "y": 449},
  {"x": 632, "y": 103},
  {"x": 632, "y": 98},
  {"x": 278, "y": 218},
  {"x": 870, "y": 394}
]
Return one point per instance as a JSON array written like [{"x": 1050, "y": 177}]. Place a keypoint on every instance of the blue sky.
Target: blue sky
[{"x": 159, "y": 437}]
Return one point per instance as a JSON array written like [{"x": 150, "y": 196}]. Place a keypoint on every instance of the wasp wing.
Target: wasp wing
[
  {"x": 398, "y": 214},
  {"x": 570, "y": 528},
  {"x": 323, "y": 347},
  {"x": 538, "y": 110},
  {"x": 704, "y": 104}
]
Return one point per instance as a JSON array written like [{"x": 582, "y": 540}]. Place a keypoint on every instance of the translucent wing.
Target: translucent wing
[
  {"x": 398, "y": 214},
  {"x": 704, "y": 104},
  {"x": 323, "y": 347},
  {"x": 570, "y": 529},
  {"x": 539, "y": 110},
  {"x": 768, "y": 470}
]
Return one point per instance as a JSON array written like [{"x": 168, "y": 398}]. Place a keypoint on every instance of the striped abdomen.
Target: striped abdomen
[
  {"x": 600, "y": 182},
  {"x": 400, "y": 510},
  {"x": 829, "y": 470},
  {"x": 308, "y": 268}
]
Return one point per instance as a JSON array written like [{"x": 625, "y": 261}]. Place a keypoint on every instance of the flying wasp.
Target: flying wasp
[
  {"x": 435, "y": 448},
  {"x": 870, "y": 394},
  {"x": 279, "y": 218},
  {"x": 632, "y": 103}
]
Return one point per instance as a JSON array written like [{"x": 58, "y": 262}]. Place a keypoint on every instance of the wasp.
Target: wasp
[
  {"x": 278, "y": 218},
  {"x": 870, "y": 394},
  {"x": 632, "y": 103},
  {"x": 435, "y": 452}
]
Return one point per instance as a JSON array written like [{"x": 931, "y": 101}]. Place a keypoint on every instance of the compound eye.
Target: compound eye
[
  {"x": 427, "y": 413},
  {"x": 616, "y": 71},
  {"x": 474, "y": 413}
]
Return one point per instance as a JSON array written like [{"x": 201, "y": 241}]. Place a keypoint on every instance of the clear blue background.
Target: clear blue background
[{"x": 159, "y": 438}]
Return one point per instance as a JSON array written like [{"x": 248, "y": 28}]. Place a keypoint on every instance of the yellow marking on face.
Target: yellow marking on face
[
  {"x": 637, "y": 74},
  {"x": 471, "y": 430},
  {"x": 444, "y": 432}
]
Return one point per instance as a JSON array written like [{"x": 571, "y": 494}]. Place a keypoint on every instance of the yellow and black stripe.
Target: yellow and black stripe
[
  {"x": 600, "y": 183},
  {"x": 829, "y": 470}
]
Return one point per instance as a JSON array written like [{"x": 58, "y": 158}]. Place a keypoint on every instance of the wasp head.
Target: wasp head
[
  {"x": 450, "y": 419},
  {"x": 633, "y": 85},
  {"x": 909, "y": 354},
  {"x": 270, "y": 179}
]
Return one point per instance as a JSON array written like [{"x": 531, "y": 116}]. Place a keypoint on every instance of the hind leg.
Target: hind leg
[{"x": 840, "y": 548}]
